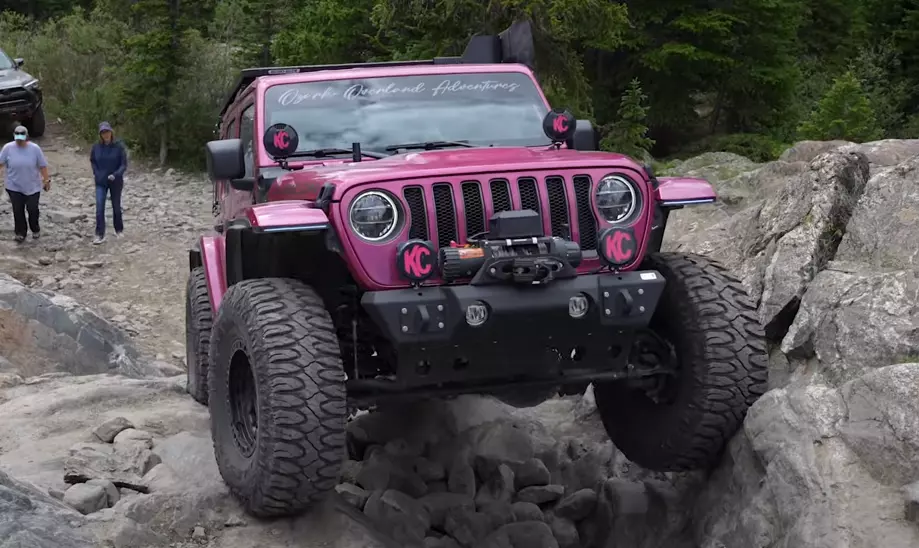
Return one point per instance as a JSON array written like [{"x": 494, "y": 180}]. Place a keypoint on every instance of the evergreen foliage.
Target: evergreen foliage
[
  {"x": 628, "y": 134},
  {"x": 747, "y": 76},
  {"x": 843, "y": 113}
]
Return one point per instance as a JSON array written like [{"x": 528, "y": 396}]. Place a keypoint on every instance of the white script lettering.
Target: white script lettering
[
  {"x": 485, "y": 85},
  {"x": 296, "y": 96},
  {"x": 359, "y": 90}
]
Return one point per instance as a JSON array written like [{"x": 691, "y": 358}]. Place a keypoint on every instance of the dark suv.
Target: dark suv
[
  {"x": 20, "y": 96},
  {"x": 423, "y": 229}
]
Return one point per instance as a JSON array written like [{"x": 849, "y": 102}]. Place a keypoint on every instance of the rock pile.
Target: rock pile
[
  {"x": 120, "y": 460},
  {"x": 506, "y": 479}
]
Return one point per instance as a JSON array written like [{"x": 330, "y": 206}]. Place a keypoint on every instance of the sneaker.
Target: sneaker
[
  {"x": 119, "y": 234},
  {"x": 99, "y": 240},
  {"x": 36, "y": 235},
  {"x": 19, "y": 239}
]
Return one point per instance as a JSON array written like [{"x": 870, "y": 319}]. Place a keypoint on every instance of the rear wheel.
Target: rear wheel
[
  {"x": 719, "y": 347},
  {"x": 277, "y": 396},
  {"x": 198, "y": 320},
  {"x": 36, "y": 124}
]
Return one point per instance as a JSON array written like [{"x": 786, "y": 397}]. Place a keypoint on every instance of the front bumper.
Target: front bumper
[
  {"x": 529, "y": 332},
  {"x": 19, "y": 103}
]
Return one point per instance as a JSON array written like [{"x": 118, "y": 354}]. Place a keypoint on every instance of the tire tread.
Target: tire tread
[
  {"x": 301, "y": 386},
  {"x": 202, "y": 322},
  {"x": 729, "y": 376}
]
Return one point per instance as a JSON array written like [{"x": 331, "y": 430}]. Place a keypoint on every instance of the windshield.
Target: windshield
[
  {"x": 480, "y": 108},
  {"x": 5, "y": 62}
]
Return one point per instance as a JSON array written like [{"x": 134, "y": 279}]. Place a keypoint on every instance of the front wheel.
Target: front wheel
[
  {"x": 36, "y": 124},
  {"x": 720, "y": 352},
  {"x": 277, "y": 396}
]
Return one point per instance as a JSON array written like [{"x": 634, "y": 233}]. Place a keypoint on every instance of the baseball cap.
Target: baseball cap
[
  {"x": 20, "y": 133},
  {"x": 105, "y": 126}
]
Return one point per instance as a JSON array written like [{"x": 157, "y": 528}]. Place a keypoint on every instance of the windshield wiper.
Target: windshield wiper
[
  {"x": 429, "y": 145},
  {"x": 323, "y": 152}
]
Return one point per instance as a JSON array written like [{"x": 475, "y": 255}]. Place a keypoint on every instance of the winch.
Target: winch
[{"x": 513, "y": 250}]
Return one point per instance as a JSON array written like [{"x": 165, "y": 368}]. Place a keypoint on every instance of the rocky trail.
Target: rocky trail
[
  {"x": 137, "y": 281},
  {"x": 100, "y": 445}
]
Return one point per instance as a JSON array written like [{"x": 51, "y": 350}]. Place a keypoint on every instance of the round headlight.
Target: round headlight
[
  {"x": 615, "y": 198},
  {"x": 374, "y": 216}
]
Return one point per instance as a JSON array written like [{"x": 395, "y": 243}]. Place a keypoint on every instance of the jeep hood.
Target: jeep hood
[
  {"x": 305, "y": 184},
  {"x": 11, "y": 78}
]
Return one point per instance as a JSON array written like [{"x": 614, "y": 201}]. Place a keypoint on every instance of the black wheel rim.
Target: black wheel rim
[
  {"x": 243, "y": 404},
  {"x": 652, "y": 350}
]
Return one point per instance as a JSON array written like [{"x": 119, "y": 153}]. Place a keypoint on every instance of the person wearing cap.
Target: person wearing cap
[
  {"x": 26, "y": 176},
  {"x": 109, "y": 160}
]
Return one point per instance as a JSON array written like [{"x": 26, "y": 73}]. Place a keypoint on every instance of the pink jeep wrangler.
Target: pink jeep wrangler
[{"x": 419, "y": 229}]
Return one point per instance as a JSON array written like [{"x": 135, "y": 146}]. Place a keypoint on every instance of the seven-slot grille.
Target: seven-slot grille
[{"x": 470, "y": 194}]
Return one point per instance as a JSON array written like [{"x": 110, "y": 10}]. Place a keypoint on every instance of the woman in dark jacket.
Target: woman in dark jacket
[{"x": 109, "y": 160}]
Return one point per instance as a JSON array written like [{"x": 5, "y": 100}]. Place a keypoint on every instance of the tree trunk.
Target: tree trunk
[{"x": 164, "y": 144}]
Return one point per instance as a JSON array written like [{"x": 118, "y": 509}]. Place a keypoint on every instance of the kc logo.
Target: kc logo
[
  {"x": 560, "y": 125},
  {"x": 617, "y": 246},
  {"x": 415, "y": 260},
  {"x": 281, "y": 140}
]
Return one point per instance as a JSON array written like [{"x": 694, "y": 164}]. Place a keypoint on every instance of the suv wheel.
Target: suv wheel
[
  {"x": 36, "y": 124},
  {"x": 720, "y": 352},
  {"x": 277, "y": 396},
  {"x": 198, "y": 320}
]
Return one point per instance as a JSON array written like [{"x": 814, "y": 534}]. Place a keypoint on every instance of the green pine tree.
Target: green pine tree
[
  {"x": 843, "y": 113},
  {"x": 629, "y": 133},
  {"x": 155, "y": 56}
]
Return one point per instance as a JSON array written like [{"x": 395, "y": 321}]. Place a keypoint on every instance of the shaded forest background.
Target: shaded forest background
[{"x": 669, "y": 77}]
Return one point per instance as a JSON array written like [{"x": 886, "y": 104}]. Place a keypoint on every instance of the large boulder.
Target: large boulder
[
  {"x": 30, "y": 518},
  {"x": 854, "y": 318},
  {"x": 884, "y": 229},
  {"x": 883, "y": 153},
  {"x": 43, "y": 332},
  {"x": 806, "y": 151},
  {"x": 820, "y": 467},
  {"x": 779, "y": 244}
]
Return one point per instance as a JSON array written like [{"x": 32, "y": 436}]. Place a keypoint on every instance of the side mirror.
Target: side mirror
[
  {"x": 225, "y": 160},
  {"x": 19, "y": 61},
  {"x": 585, "y": 137}
]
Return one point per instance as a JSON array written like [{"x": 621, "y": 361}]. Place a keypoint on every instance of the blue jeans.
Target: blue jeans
[{"x": 115, "y": 189}]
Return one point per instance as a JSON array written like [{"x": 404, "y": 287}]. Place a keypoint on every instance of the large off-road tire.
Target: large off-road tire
[
  {"x": 198, "y": 321},
  {"x": 36, "y": 124},
  {"x": 277, "y": 396},
  {"x": 707, "y": 316}
]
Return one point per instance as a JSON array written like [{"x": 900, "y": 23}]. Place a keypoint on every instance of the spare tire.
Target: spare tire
[
  {"x": 198, "y": 320},
  {"x": 720, "y": 349},
  {"x": 277, "y": 396}
]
